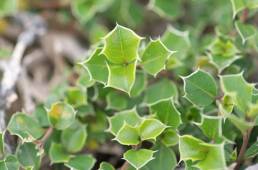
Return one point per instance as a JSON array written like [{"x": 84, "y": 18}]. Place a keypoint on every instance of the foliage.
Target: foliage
[{"x": 182, "y": 94}]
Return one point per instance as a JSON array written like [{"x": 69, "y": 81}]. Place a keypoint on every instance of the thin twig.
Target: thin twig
[{"x": 241, "y": 154}]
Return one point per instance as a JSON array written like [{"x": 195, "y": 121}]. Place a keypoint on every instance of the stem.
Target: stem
[{"x": 241, "y": 154}]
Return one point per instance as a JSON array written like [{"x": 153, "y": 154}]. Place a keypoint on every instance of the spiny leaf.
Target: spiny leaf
[
  {"x": 239, "y": 5},
  {"x": 128, "y": 135},
  {"x": 177, "y": 40},
  {"x": 246, "y": 31},
  {"x": 28, "y": 155},
  {"x": 151, "y": 129},
  {"x": 164, "y": 159},
  {"x": 116, "y": 122},
  {"x": 208, "y": 156},
  {"x": 223, "y": 53},
  {"x": 116, "y": 101},
  {"x": 139, "y": 84},
  {"x": 74, "y": 137},
  {"x": 121, "y": 45},
  {"x": 96, "y": 65},
  {"x": 169, "y": 137},
  {"x": 122, "y": 76},
  {"x": 162, "y": 90},
  {"x": 76, "y": 96},
  {"x": 61, "y": 115},
  {"x": 167, "y": 113},
  {"x": 57, "y": 153},
  {"x": 211, "y": 126},
  {"x": 200, "y": 88},
  {"x": 154, "y": 57},
  {"x": 11, "y": 163},
  {"x": 236, "y": 87},
  {"x": 24, "y": 126},
  {"x": 81, "y": 162},
  {"x": 138, "y": 158}
]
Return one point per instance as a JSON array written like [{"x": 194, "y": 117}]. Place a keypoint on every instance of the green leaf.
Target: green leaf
[
  {"x": 166, "y": 8},
  {"x": 138, "y": 158},
  {"x": 61, "y": 115},
  {"x": 236, "y": 87},
  {"x": 24, "y": 126},
  {"x": 223, "y": 53},
  {"x": 3, "y": 165},
  {"x": 151, "y": 129},
  {"x": 12, "y": 163},
  {"x": 211, "y": 126},
  {"x": 28, "y": 155},
  {"x": 252, "y": 151},
  {"x": 154, "y": 57},
  {"x": 200, "y": 88},
  {"x": 84, "y": 10},
  {"x": 169, "y": 137},
  {"x": 121, "y": 45},
  {"x": 74, "y": 137},
  {"x": 76, "y": 96},
  {"x": 240, "y": 123},
  {"x": 237, "y": 5},
  {"x": 81, "y": 162},
  {"x": 164, "y": 159},
  {"x": 128, "y": 135},
  {"x": 106, "y": 166},
  {"x": 177, "y": 40},
  {"x": 97, "y": 67},
  {"x": 7, "y": 7},
  {"x": 57, "y": 153},
  {"x": 139, "y": 84},
  {"x": 162, "y": 90},
  {"x": 40, "y": 114},
  {"x": 208, "y": 156},
  {"x": 130, "y": 117},
  {"x": 167, "y": 113},
  {"x": 246, "y": 31},
  {"x": 116, "y": 101},
  {"x": 121, "y": 77}
]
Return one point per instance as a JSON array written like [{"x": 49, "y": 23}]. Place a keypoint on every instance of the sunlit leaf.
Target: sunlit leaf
[
  {"x": 208, "y": 156},
  {"x": 151, "y": 129},
  {"x": 96, "y": 65},
  {"x": 154, "y": 57},
  {"x": 139, "y": 84},
  {"x": 128, "y": 135},
  {"x": 121, "y": 45},
  {"x": 122, "y": 77},
  {"x": 116, "y": 122},
  {"x": 138, "y": 158},
  {"x": 236, "y": 87}
]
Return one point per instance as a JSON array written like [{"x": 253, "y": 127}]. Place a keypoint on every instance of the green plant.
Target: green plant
[{"x": 186, "y": 96}]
